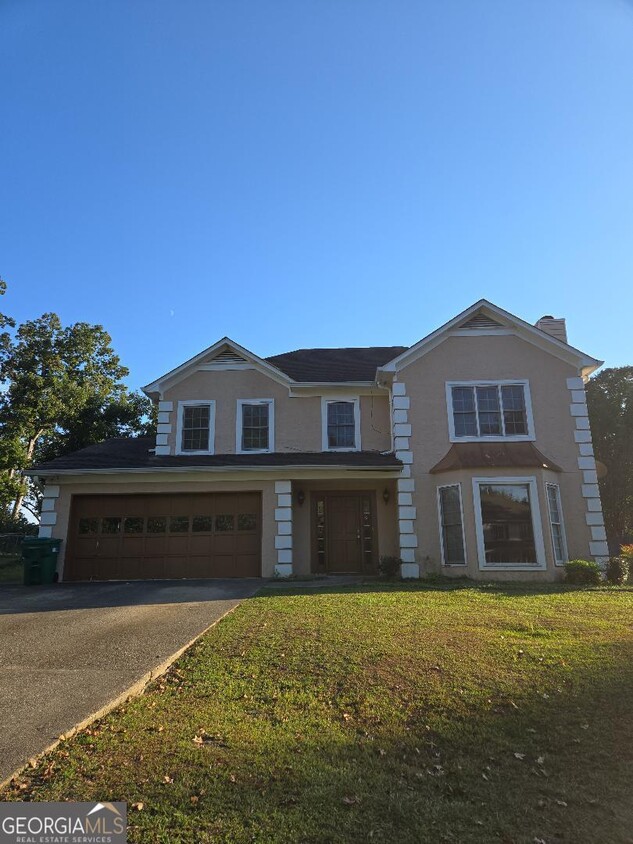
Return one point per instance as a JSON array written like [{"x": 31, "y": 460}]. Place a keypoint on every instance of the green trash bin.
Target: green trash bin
[{"x": 40, "y": 560}]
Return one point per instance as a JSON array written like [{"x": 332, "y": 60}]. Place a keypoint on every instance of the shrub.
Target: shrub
[
  {"x": 583, "y": 572},
  {"x": 389, "y": 566},
  {"x": 626, "y": 551},
  {"x": 617, "y": 570}
]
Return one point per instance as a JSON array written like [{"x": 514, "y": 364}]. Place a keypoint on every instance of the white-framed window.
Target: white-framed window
[
  {"x": 195, "y": 427},
  {"x": 255, "y": 426},
  {"x": 508, "y": 524},
  {"x": 451, "y": 520},
  {"x": 557, "y": 526},
  {"x": 489, "y": 410},
  {"x": 340, "y": 419}
]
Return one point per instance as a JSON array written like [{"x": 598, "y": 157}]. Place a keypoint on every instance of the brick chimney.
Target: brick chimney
[{"x": 555, "y": 327}]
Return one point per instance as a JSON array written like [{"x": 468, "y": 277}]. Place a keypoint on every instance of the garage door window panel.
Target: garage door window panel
[
  {"x": 157, "y": 524},
  {"x": 110, "y": 525},
  {"x": 202, "y": 524},
  {"x": 88, "y": 526},
  {"x": 224, "y": 523},
  {"x": 179, "y": 524},
  {"x": 134, "y": 524},
  {"x": 247, "y": 522}
]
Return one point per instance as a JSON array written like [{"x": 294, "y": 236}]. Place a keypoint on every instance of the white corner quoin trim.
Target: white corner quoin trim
[
  {"x": 196, "y": 403},
  {"x": 598, "y": 547},
  {"x": 283, "y": 519}
]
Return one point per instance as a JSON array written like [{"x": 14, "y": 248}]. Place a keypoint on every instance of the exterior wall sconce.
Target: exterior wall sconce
[
  {"x": 386, "y": 495},
  {"x": 301, "y": 497}
]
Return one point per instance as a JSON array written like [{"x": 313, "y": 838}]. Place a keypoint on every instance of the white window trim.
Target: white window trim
[
  {"x": 325, "y": 401},
  {"x": 179, "y": 421},
  {"x": 271, "y": 426},
  {"x": 537, "y": 527},
  {"x": 562, "y": 524},
  {"x": 441, "y": 526},
  {"x": 529, "y": 437}
]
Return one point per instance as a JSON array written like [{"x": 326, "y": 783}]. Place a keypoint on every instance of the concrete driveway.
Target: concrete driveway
[{"x": 69, "y": 650}]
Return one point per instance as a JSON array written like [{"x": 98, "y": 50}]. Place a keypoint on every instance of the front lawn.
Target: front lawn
[{"x": 378, "y": 714}]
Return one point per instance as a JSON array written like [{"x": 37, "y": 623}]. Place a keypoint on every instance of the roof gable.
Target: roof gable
[
  {"x": 485, "y": 318},
  {"x": 226, "y": 354}
]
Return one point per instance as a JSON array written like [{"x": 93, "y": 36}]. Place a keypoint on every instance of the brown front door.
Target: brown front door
[
  {"x": 131, "y": 537},
  {"x": 343, "y": 533}
]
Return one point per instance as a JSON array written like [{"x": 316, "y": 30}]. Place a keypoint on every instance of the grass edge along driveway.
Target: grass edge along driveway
[{"x": 401, "y": 713}]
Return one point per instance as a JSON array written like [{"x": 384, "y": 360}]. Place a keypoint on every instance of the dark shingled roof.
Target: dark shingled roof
[
  {"x": 134, "y": 453},
  {"x": 493, "y": 455},
  {"x": 335, "y": 364}
]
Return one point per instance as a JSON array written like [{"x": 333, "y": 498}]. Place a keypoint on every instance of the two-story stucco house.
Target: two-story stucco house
[{"x": 468, "y": 453}]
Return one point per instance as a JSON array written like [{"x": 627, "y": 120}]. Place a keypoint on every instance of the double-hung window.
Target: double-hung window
[
  {"x": 341, "y": 424},
  {"x": 255, "y": 425},
  {"x": 559, "y": 544},
  {"x": 498, "y": 410},
  {"x": 196, "y": 420},
  {"x": 449, "y": 500}
]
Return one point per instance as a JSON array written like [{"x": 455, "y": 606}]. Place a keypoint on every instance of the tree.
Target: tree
[
  {"x": 63, "y": 390},
  {"x": 610, "y": 402}
]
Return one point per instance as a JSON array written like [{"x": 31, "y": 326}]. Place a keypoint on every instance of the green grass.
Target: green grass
[
  {"x": 11, "y": 570},
  {"x": 378, "y": 714}
]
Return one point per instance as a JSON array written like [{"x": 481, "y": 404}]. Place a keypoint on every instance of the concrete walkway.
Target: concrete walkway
[{"x": 67, "y": 651}]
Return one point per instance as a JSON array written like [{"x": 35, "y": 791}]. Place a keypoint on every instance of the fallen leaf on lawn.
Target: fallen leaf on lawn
[
  {"x": 198, "y": 740},
  {"x": 519, "y": 755},
  {"x": 167, "y": 779},
  {"x": 561, "y": 803},
  {"x": 540, "y": 841},
  {"x": 584, "y": 726},
  {"x": 194, "y": 799},
  {"x": 232, "y": 777},
  {"x": 138, "y": 806},
  {"x": 351, "y": 801},
  {"x": 540, "y": 760}
]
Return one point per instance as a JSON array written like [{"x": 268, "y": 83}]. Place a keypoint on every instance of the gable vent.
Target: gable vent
[
  {"x": 481, "y": 321},
  {"x": 227, "y": 358}
]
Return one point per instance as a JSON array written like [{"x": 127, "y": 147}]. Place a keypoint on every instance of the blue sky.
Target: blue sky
[{"x": 315, "y": 172}]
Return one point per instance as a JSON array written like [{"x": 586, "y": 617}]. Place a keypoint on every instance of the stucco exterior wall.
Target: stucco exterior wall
[
  {"x": 297, "y": 418},
  {"x": 492, "y": 357}
]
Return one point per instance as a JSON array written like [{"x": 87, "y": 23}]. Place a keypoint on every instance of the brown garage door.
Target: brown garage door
[{"x": 132, "y": 537}]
